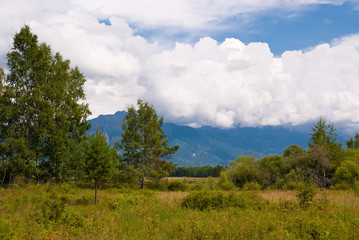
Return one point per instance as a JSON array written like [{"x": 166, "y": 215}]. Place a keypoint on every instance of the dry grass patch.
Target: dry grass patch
[
  {"x": 278, "y": 195},
  {"x": 171, "y": 196},
  {"x": 343, "y": 197}
]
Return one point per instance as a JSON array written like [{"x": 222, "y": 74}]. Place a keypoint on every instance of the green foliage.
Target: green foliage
[
  {"x": 125, "y": 177},
  {"x": 156, "y": 185},
  {"x": 325, "y": 150},
  {"x": 145, "y": 214},
  {"x": 348, "y": 172},
  {"x": 100, "y": 160},
  {"x": 356, "y": 188},
  {"x": 210, "y": 183},
  {"x": 198, "y": 187},
  {"x": 41, "y": 116},
  {"x": 252, "y": 186},
  {"x": 244, "y": 169},
  {"x": 341, "y": 186},
  {"x": 177, "y": 186},
  {"x": 272, "y": 168},
  {"x": 223, "y": 183},
  {"x": 53, "y": 209},
  {"x": 202, "y": 171},
  {"x": 54, "y": 213},
  {"x": 306, "y": 194},
  {"x": 293, "y": 149},
  {"x": 353, "y": 143},
  {"x": 144, "y": 144},
  {"x": 295, "y": 179},
  {"x": 204, "y": 200},
  {"x": 323, "y": 133},
  {"x": 297, "y": 157}
]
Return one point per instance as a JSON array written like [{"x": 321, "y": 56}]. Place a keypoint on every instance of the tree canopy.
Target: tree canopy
[
  {"x": 100, "y": 159},
  {"x": 144, "y": 144},
  {"x": 40, "y": 111}
]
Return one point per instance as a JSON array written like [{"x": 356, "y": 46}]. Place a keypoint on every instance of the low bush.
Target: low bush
[
  {"x": 306, "y": 194},
  {"x": 210, "y": 183},
  {"x": 252, "y": 186},
  {"x": 292, "y": 185},
  {"x": 197, "y": 187},
  {"x": 223, "y": 183},
  {"x": 341, "y": 186},
  {"x": 157, "y": 185},
  {"x": 203, "y": 200},
  {"x": 356, "y": 188},
  {"x": 176, "y": 186}
]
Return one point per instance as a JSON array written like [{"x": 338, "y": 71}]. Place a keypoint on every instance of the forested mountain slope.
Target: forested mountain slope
[{"x": 211, "y": 146}]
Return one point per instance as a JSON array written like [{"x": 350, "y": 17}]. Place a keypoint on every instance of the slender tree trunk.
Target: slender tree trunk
[
  {"x": 141, "y": 182},
  {"x": 10, "y": 178},
  {"x": 3, "y": 178},
  {"x": 96, "y": 182}
]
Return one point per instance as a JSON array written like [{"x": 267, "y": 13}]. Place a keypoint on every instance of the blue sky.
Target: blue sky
[
  {"x": 308, "y": 28},
  {"x": 283, "y": 30},
  {"x": 217, "y": 63}
]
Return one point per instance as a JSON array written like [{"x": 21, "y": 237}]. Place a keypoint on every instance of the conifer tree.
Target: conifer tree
[
  {"x": 144, "y": 144},
  {"x": 100, "y": 159}
]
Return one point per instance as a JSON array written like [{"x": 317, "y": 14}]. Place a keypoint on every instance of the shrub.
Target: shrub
[
  {"x": 252, "y": 186},
  {"x": 84, "y": 200},
  {"x": 197, "y": 187},
  {"x": 306, "y": 194},
  {"x": 356, "y": 188},
  {"x": 293, "y": 185},
  {"x": 176, "y": 186},
  {"x": 210, "y": 183},
  {"x": 203, "y": 200},
  {"x": 6, "y": 232},
  {"x": 341, "y": 186},
  {"x": 73, "y": 219},
  {"x": 157, "y": 185},
  {"x": 223, "y": 183},
  {"x": 53, "y": 209}
]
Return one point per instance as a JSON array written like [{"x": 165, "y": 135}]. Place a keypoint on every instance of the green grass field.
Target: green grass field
[{"x": 67, "y": 212}]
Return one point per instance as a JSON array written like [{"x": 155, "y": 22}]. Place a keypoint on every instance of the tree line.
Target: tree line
[
  {"x": 325, "y": 163},
  {"x": 201, "y": 171}
]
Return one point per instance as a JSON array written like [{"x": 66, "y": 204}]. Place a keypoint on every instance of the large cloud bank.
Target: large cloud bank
[
  {"x": 207, "y": 83},
  {"x": 231, "y": 83}
]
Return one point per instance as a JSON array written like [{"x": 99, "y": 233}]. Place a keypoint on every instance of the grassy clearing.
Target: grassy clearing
[
  {"x": 190, "y": 180},
  {"x": 340, "y": 197},
  {"x": 65, "y": 212}
]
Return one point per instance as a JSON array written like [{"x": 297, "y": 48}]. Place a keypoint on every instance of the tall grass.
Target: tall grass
[{"x": 67, "y": 212}]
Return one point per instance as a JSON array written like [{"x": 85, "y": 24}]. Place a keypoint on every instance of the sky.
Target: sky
[{"x": 205, "y": 62}]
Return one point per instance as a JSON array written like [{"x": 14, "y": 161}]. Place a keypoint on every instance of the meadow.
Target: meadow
[{"x": 68, "y": 212}]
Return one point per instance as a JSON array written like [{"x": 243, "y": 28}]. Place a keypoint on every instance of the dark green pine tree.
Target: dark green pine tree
[
  {"x": 144, "y": 144},
  {"x": 100, "y": 159},
  {"x": 41, "y": 113},
  {"x": 324, "y": 150},
  {"x": 353, "y": 143}
]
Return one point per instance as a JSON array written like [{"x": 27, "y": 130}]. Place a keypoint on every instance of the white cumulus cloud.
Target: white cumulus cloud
[
  {"x": 232, "y": 83},
  {"x": 208, "y": 83}
]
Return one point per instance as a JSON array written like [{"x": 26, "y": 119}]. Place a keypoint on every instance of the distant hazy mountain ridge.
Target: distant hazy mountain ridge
[{"x": 211, "y": 146}]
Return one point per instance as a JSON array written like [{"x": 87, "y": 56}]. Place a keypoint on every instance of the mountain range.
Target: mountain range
[{"x": 211, "y": 146}]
